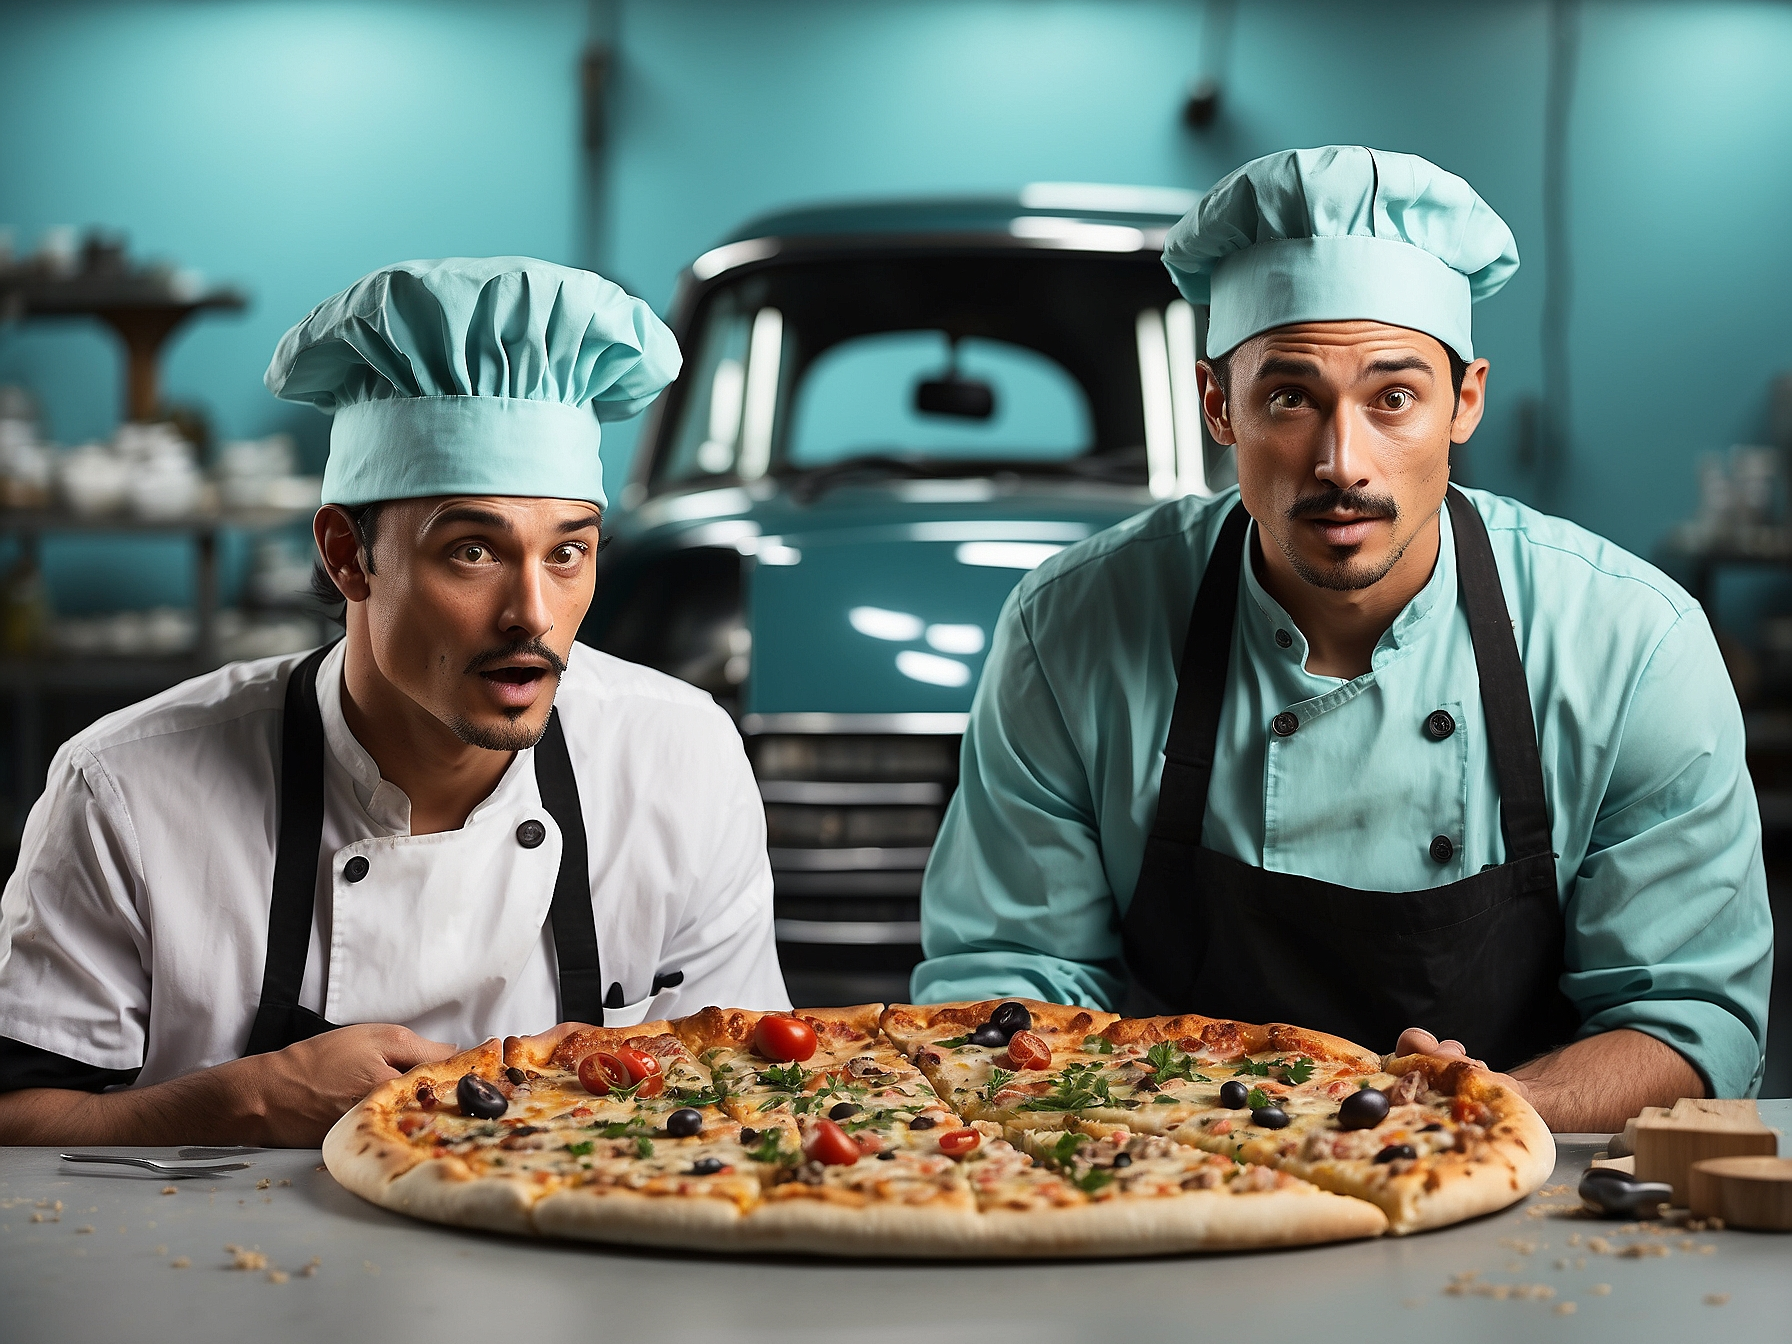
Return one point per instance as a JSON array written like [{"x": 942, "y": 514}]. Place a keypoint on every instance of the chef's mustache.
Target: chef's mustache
[
  {"x": 522, "y": 648},
  {"x": 1359, "y": 502}
]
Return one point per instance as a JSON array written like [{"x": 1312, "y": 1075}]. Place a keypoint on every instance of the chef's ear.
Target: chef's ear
[
  {"x": 339, "y": 545},
  {"x": 1471, "y": 401},
  {"x": 1210, "y": 384}
]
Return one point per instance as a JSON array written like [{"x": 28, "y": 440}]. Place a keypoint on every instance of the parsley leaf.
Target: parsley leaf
[
  {"x": 625, "y": 1129},
  {"x": 581, "y": 1149},
  {"x": 1166, "y": 1101},
  {"x": 1093, "y": 1179},
  {"x": 770, "y": 1148},
  {"x": 1077, "y": 1088},
  {"x": 1258, "y": 1099},
  {"x": 784, "y": 1077},
  {"x": 1098, "y": 1045},
  {"x": 1250, "y": 1067},
  {"x": 998, "y": 1079},
  {"x": 1296, "y": 1071},
  {"x": 952, "y": 1044},
  {"x": 1066, "y": 1148},
  {"x": 1167, "y": 1063},
  {"x": 643, "y": 1146}
]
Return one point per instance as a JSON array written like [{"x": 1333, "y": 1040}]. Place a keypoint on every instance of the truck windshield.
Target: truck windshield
[{"x": 931, "y": 363}]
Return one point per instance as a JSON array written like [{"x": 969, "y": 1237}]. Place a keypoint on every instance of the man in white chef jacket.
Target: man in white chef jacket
[{"x": 243, "y": 903}]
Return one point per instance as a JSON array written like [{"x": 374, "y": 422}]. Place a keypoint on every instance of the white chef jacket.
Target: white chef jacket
[{"x": 134, "y": 930}]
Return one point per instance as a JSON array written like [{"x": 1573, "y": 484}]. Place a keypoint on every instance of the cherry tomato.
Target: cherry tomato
[
  {"x": 1027, "y": 1051},
  {"x": 643, "y": 1071},
  {"x": 958, "y": 1142},
  {"x": 789, "y": 1039},
  {"x": 828, "y": 1143},
  {"x": 638, "y": 1062},
  {"x": 600, "y": 1072}
]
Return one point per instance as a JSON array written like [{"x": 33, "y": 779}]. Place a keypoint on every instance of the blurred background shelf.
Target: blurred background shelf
[
  {"x": 144, "y": 308},
  {"x": 51, "y": 693}
]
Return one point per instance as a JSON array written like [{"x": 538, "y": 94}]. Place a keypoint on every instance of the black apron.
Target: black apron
[
  {"x": 280, "y": 1021},
  {"x": 1479, "y": 959}
]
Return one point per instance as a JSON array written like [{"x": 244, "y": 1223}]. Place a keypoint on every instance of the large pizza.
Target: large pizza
[{"x": 1008, "y": 1127}]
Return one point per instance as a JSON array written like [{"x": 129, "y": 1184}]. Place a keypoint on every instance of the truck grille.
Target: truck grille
[{"x": 850, "y": 816}]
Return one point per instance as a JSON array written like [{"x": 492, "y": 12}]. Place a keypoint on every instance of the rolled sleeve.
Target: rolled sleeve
[
  {"x": 1016, "y": 899},
  {"x": 1669, "y": 928},
  {"x": 74, "y": 950}
]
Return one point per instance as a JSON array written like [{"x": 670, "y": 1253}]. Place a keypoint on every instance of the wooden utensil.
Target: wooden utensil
[
  {"x": 1752, "y": 1192},
  {"x": 1694, "y": 1129}
]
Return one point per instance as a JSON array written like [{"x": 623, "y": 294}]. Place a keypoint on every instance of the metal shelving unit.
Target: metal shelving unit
[{"x": 28, "y": 682}]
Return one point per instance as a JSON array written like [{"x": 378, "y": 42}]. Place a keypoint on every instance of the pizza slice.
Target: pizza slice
[
  {"x": 493, "y": 1136},
  {"x": 988, "y": 1060},
  {"x": 1428, "y": 1141},
  {"x": 1070, "y": 1193},
  {"x": 848, "y": 1074}
]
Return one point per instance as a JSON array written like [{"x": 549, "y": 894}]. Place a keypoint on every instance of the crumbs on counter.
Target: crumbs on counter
[
  {"x": 1717, "y": 1299},
  {"x": 180, "y": 1262},
  {"x": 169, "y": 1190},
  {"x": 243, "y": 1257}
]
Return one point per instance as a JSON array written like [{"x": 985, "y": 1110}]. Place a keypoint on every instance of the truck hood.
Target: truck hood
[{"x": 882, "y": 600}]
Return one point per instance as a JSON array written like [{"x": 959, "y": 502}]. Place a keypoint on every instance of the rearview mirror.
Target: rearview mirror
[{"x": 962, "y": 398}]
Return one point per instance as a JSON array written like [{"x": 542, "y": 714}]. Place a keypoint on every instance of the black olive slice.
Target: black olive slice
[
  {"x": 1012, "y": 1017},
  {"x": 479, "y": 1098},
  {"x": 1363, "y": 1109}
]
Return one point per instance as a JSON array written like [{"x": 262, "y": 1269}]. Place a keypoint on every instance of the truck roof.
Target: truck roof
[{"x": 1150, "y": 209}]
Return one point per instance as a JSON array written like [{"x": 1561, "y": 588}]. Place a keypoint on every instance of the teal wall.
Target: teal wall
[{"x": 290, "y": 147}]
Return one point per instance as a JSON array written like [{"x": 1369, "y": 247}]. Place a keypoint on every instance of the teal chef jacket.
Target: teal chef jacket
[{"x": 1655, "y": 824}]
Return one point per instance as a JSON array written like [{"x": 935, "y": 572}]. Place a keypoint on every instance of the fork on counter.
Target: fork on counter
[{"x": 210, "y": 1166}]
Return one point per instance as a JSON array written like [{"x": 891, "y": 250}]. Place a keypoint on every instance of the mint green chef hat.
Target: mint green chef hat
[
  {"x": 473, "y": 376},
  {"x": 1336, "y": 234}
]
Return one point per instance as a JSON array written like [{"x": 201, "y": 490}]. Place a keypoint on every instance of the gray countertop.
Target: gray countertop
[{"x": 103, "y": 1269}]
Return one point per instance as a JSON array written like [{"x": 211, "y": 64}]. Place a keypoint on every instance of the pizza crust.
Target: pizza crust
[{"x": 365, "y": 1151}]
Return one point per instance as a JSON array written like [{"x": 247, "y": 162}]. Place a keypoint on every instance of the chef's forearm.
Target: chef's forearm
[
  {"x": 217, "y": 1105},
  {"x": 1598, "y": 1083}
]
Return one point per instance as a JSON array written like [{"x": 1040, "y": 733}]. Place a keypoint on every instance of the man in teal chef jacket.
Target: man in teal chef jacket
[{"x": 1352, "y": 747}]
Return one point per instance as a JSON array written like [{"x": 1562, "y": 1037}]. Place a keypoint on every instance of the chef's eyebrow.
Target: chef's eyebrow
[
  {"x": 472, "y": 513},
  {"x": 1401, "y": 364},
  {"x": 1287, "y": 366}
]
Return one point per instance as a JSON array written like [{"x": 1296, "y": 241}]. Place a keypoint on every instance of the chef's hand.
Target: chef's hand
[
  {"x": 293, "y": 1096},
  {"x": 1418, "y": 1041},
  {"x": 286, "y": 1099}
]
